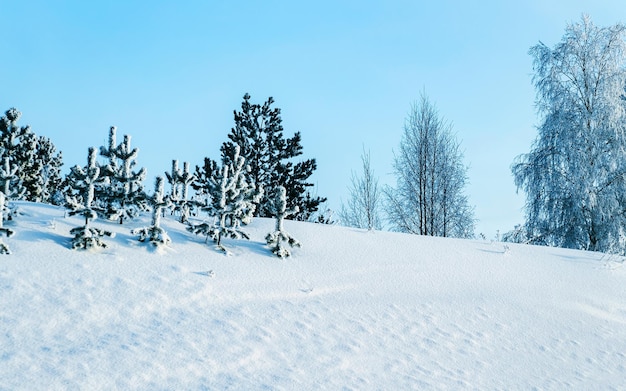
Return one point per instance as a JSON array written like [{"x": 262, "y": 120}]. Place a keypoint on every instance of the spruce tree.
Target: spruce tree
[
  {"x": 279, "y": 210},
  {"x": 258, "y": 133},
  {"x": 84, "y": 180},
  {"x": 232, "y": 202},
  {"x": 155, "y": 234}
]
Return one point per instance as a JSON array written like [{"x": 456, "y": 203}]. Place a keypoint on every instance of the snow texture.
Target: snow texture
[{"x": 344, "y": 313}]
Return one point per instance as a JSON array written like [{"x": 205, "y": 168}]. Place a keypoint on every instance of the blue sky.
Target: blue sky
[{"x": 344, "y": 73}]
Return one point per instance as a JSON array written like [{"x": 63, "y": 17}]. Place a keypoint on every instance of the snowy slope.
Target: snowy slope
[{"x": 350, "y": 310}]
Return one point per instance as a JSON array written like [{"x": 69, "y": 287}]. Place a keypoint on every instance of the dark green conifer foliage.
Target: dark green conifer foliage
[{"x": 258, "y": 133}]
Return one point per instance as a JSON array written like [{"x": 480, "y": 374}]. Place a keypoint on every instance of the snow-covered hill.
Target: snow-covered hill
[{"x": 350, "y": 310}]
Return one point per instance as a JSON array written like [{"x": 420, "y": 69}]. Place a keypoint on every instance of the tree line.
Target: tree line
[
  {"x": 574, "y": 176},
  {"x": 257, "y": 176}
]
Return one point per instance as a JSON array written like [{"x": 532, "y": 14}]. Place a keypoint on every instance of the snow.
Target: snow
[{"x": 351, "y": 309}]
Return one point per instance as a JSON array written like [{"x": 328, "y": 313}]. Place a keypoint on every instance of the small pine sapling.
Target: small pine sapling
[
  {"x": 154, "y": 233},
  {"x": 275, "y": 239},
  {"x": 85, "y": 237},
  {"x": 232, "y": 203},
  {"x": 179, "y": 196},
  {"x": 120, "y": 189}
]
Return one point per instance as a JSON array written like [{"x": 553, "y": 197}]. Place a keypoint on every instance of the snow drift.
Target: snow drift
[{"x": 350, "y": 309}]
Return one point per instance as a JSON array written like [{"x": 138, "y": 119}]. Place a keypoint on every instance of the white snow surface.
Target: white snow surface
[{"x": 351, "y": 309}]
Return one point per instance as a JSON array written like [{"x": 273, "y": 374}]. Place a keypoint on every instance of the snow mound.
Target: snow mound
[{"x": 350, "y": 309}]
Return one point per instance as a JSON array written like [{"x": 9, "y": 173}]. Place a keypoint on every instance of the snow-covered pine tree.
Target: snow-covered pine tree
[
  {"x": 258, "y": 133},
  {"x": 203, "y": 178},
  {"x": 121, "y": 189},
  {"x": 155, "y": 234},
  {"x": 37, "y": 162},
  {"x": 279, "y": 210},
  {"x": 12, "y": 135},
  {"x": 9, "y": 184},
  {"x": 4, "y": 249},
  {"x": 232, "y": 203},
  {"x": 179, "y": 195},
  {"x": 84, "y": 180},
  {"x": 42, "y": 177}
]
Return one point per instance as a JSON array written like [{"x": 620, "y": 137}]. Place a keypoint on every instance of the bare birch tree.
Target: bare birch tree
[
  {"x": 429, "y": 197},
  {"x": 363, "y": 209}
]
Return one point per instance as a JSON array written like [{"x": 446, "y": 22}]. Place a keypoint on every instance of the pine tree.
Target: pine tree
[
  {"x": 232, "y": 203},
  {"x": 155, "y": 234},
  {"x": 36, "y": 159},
  {"x": 258, "y": 133},
  {"x": 84, "y": 180},
  {"x": 120, "y": 190},
  {"x": 10, "y": 183},
  {"x": 279, "y": 210},
  {"x": 203, "y": 179},
  {"x": 179, "y": 195},
  {"x": 8, "y": 178},
  {"x": 4, "y": 249},
  {"x": 43, "y": 179}
]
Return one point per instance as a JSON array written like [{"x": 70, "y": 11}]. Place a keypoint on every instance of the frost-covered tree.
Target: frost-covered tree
[
  {"x": 43, "y": 180},
  {"x": 364, "y": 206},
  {"x": 11, "y": 188},
  {"x": 429, "y": 198},
  {"x": 4, "y": 249},
  {"x": 120, "y": 190},
  {"x": 84, "y": 180},
  {"x": 275, "y": 240},
  {"x": 179, "y": 182},
  {"x": 574, "y": 176},
  {"x": 155, "y": 234},
  {"x": 9, "y": 185},
  {"x": 35, "y": 158},
  {"x": 258, "y": 133},
  {"x": 232, "y": 203}
]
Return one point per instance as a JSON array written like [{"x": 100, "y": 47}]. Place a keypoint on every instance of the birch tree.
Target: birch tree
[
  {"x": 574, "y": 176},
  {"x": 429, "y": 198},
  {"x": 363, "y": 209}
]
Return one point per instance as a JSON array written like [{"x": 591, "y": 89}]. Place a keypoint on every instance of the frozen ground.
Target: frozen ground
[{"x": 350, "y": 310}]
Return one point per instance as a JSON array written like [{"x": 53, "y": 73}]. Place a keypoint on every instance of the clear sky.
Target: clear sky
[{"x": 344, "y": 73}]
